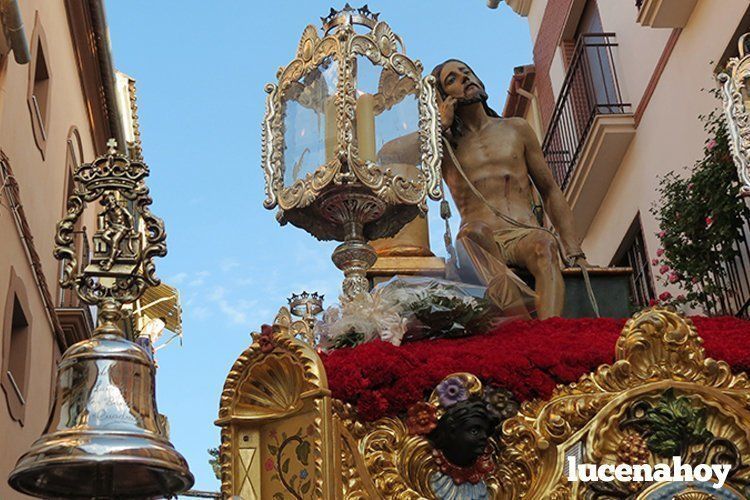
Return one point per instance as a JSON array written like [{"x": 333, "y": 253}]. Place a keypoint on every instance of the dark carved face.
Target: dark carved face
[
  {"x": 463, "y": 431},
  {"x": 459, "y": 81}
]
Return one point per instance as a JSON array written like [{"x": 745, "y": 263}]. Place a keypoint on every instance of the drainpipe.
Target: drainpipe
[
  {"x": 106, "y": 68},
  {"x": 14, "y": 28},
  {"x": 525, "y": 93}
]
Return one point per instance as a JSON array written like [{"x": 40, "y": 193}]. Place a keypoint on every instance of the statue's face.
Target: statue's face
[
  {"x": 460, "y": 82},
  {"x": 468, "y": 440}
]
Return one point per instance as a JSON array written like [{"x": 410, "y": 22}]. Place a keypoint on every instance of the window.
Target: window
[
  {"x": 38, "y": 95},
  {"x": 632, "y": 253},
  {"x": 40, "y": 90},
  {"x": 16, "y": 352},
  {"x": 19, "y": 347}
]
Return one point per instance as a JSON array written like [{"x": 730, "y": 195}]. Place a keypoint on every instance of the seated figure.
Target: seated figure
[{"x": 492, "y": 166}]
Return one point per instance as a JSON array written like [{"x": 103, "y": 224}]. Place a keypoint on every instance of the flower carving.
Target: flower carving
[
  {"x": 452, "y": 390},
  {"x": 421, "y": 418}
]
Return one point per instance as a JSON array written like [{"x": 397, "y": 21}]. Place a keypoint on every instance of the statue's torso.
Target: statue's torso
[{"x": 493, "y": 158}]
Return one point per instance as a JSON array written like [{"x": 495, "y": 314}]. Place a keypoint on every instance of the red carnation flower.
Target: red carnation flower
[
  {"x": 660, "y": 252},
  {"x": 709, "y": 221},
  {"x": 674, "y": 277},
  {"x": 665, "y": 296},
  {"x": 526, "y": 357},
  {"x": 654, "y": 262},
  {"x": 664, "y": 269}
]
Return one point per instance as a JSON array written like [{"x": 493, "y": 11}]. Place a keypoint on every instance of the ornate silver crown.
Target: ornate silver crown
[
  {"x": 305, "y": 303},
  {"x": 111, "y": 171},
  {"x": 349, "y": 15}
]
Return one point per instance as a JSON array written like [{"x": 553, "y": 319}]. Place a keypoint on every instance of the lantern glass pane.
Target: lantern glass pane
[
  {"x": 387, "y": 118},
  {"x": 309, "y": 121}
]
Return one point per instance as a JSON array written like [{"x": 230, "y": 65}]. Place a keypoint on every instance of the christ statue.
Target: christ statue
[{"x": 492, "y": 167}]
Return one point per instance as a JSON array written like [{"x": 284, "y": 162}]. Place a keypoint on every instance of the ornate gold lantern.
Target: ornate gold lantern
[
  {"x": 104, "y": 438},
  {"x": 736, "y": 96},
  {"x": 351, "y": 142}
]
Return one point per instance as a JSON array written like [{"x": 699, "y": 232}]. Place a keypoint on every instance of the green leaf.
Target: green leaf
[
  {"x": 273, "y": 450},
  {"x": 285, "y": 466},
  {"x": 306, "y": 487},
  {"x": 303, "y": 452},
  {"x": 674, "y": 424}
]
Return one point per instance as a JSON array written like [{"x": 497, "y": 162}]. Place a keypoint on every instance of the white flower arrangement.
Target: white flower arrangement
[{"x": 389, "y": 311}]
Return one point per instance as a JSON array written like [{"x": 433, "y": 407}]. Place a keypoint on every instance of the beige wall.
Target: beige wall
[
  {"x": 42, "y": 187},
  {"x": 669, "y": 135}
]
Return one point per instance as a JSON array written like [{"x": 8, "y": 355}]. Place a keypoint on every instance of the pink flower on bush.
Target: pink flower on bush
[
  {"x": 709, "y": 221},
  {"x": 654, "y": 262},
  {"x": 660, "y": 252},
  {"x": 681, "y": 298},
  {"x": 664, "y": 269},
  {"x": 674, "y": 277},
  {"x": 694, "y": 280},
  {"x": 711, "y": 144},
  {"x": 662, "y": 234},
  {"x": 665, "y": 296},
  {"x": 690, "y": 186}
]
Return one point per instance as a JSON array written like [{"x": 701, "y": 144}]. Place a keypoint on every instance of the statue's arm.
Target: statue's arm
[{"x": 555, "y": 204}]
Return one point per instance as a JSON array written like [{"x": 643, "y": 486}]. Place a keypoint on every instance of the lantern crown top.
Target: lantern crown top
[
  {"x": 111, "y": 171},
  {"x": 349, "y": 15},
  {"x": 305, "y": 303}
]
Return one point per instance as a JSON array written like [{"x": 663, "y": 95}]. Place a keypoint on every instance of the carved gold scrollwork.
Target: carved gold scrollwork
[
  {"x": 657, "y": 350},
  {"x": 275, "y": 403},
  {"x": 659, "y": 361}
]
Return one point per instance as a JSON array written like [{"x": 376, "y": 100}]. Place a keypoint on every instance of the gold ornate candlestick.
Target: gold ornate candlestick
[
  {"x": 351, "y": 139},
  {"x": 104, "y": 438}
]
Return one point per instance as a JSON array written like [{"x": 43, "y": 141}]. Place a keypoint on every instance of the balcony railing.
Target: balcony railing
[
  {"x": 590, "y": 89},
  {"x": 734, "y": 281}
]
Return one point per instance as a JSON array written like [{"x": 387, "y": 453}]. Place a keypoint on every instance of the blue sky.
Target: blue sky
[{"x": 200, "y": 69}]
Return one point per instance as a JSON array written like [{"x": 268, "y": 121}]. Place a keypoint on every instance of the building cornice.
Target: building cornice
[
  {"x": 88, "y": 30},
  {"x": 520, "y": 7}
]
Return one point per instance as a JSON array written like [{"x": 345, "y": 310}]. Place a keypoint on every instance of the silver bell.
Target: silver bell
[{"x": 103, "y": 438}]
